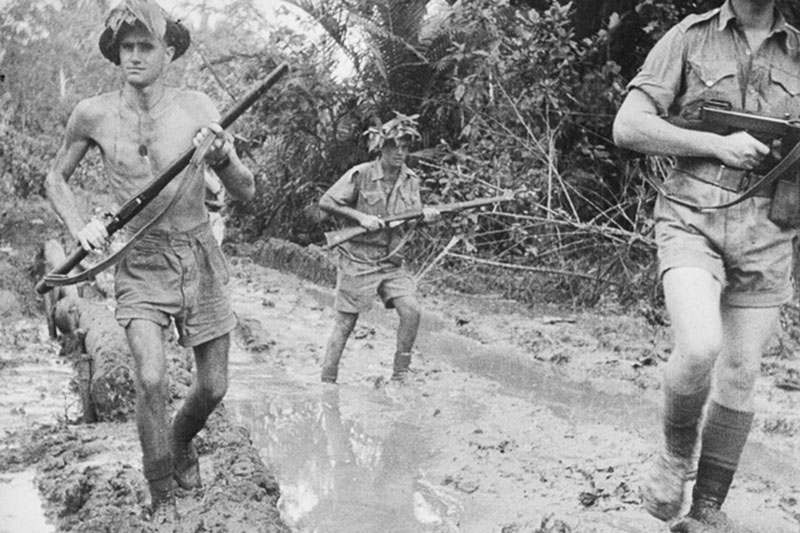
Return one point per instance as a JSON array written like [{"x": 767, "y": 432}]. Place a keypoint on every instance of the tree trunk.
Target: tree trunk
[{"x": 96, "y": 344}]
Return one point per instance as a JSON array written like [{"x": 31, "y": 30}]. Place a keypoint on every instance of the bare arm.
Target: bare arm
[
  {"x": 370, "y": 222},
  {"x": 236, "y": 177},
  {"x": 74, "y": 146},
  {"x": 638, "y": 127}
]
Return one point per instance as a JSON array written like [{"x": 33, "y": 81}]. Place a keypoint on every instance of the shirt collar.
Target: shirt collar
[
  {"x": 377, "y": 173},
  {"x": 727, "y": 16}
]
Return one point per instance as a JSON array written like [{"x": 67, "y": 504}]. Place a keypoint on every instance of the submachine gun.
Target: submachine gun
[
  {"x": 718, "y": 116},
  {"x": 782, "y": 135}
]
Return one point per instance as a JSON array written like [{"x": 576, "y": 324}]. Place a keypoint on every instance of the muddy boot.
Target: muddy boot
[
  {"x": 705, "y": 516},
  {"x": 329, "y": 374},
  {"x": 402, "y": 360},
  {"x": 186, "y": 470},
  {"x": 330, "y": 367},
  {"x": 663, "y": 491},
  {"x": 163, "y": 509}
]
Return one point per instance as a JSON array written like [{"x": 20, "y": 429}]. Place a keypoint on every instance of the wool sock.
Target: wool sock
[
  {"x": 724, "y": 436},
  {"x": 682, "y": 413}
]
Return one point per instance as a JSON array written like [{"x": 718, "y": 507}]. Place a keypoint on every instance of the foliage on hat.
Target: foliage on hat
[
  {"x": 154, "y": 19},
  {"x": 148, "y": 13},
  {"x": 398, "y": 127}
]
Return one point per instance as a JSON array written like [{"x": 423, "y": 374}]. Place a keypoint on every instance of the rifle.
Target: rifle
[
  {"x": 338, "y": 237},
  {"x": 135, "y": 205}
]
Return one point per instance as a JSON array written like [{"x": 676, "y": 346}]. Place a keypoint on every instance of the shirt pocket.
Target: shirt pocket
[
  {"x": 788, "y": 81},
  {"x": 714, "y": 79},
  {"x": 371, "y": 202},
  {"x": 785, "y": 92}
]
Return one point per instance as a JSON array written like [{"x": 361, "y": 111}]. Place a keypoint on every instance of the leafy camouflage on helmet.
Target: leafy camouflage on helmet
[{"x": 400, "y": 126}]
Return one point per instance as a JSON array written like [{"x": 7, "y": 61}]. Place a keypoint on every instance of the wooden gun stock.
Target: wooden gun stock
[
  {"x": 133, "y": 206},
  {"x": 338, "y": 237}
]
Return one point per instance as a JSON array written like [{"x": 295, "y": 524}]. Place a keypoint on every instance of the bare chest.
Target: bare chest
[{"x": 137, "y": 145}]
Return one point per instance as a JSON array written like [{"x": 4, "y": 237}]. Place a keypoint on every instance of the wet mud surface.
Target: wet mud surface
[{"x": 513, "y": 420}]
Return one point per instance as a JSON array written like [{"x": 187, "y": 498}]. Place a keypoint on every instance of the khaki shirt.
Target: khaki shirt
[
  {"x": 706, "y": 56},
  {"x": 365, "y": 189}
]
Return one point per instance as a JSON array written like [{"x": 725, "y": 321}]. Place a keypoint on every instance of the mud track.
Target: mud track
[{"x": 515, "y": 420}]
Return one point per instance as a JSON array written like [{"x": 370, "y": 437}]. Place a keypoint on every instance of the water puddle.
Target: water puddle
[
  {"x": 20, "y": 505},
  {"x": 354, "y": 457},
  {"x": 337, "y": 471}
]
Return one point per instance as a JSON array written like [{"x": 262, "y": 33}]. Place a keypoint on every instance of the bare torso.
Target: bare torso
[{"x": 137, "y": 146}]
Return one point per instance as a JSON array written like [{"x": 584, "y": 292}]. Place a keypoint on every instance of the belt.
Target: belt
[{"x": 730, "y": 179}]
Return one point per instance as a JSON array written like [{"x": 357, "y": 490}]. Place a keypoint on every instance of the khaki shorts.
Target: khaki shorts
[
  {"x": 355, "y": 291},
  {"x": 177, "y": 275},
  {"x": 750, "y": 255}
]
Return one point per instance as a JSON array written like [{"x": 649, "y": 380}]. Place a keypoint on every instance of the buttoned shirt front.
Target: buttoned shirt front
[
  {"x": 707, "y": 57},
  {"x": 366, "y": 189}
]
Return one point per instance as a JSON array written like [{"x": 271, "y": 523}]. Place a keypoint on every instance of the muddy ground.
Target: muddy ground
[{"x": 516, "y": 418}]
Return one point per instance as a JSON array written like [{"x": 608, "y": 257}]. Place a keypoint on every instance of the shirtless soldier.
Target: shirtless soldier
[
  {"x": 372, "y": 263},
  {"x": 177, "y": 271},
  {"x": 725, "y": 272}
]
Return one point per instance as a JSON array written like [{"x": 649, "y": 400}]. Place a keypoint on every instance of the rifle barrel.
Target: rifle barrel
[
  {"x": 337, "y": 237},
  {"x": 135, "y": 205}
]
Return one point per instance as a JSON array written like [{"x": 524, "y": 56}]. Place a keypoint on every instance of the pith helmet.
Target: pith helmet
[{"x": 152, "y": 17}]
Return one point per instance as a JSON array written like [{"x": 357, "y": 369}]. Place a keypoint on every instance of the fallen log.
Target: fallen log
[{"x": 96, "y": 344}]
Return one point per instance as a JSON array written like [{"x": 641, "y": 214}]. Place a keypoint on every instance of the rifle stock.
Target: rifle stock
[
  {"x": 133, "y": 206},
  {"x": 338, "y": 237}
]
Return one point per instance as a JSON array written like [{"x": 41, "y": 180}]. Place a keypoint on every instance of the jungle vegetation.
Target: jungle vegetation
[{"x": 512, "y": 95}]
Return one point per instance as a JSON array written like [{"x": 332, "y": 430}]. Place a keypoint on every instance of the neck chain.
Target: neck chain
[{"x": 143, "y": 149}]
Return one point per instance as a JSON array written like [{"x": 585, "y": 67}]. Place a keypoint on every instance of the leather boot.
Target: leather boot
[
  {"x": 330, "y": 369},
  {"x": 705, "y": 516},
  {"x": 163, "y": 509},
  {"x": 402, "y": 361},
  {"x": 186, "y": 466}
]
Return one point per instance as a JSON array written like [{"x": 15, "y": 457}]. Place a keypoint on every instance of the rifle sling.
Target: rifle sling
[
  {"x": 765, "y": 181},
  {"x": 59, "y": 280}
]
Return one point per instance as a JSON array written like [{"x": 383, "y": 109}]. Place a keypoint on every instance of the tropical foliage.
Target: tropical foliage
[{"x": 511, "y": 95}]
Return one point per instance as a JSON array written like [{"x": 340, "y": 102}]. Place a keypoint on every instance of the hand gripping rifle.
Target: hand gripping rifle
[
  {"x": 337, "y": 237},
  {"x": 133, "y": 206}
]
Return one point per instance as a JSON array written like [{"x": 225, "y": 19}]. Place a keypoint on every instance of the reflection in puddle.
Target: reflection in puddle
[
  {"x": 20, "y": 506},
  {"x": 337, "y": 473}
]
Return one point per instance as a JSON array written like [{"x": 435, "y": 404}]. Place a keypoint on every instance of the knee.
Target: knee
[
  {"x": 214, "y": 390},
  {"x": 691, "y": 366},
  {"x": 345, "y": 322},
  {"x": 152, "y": 383},
  {"x": 699, "y": 354},
  {"x": 409, "y": 309},
  {"x": 736, "y": 376}
]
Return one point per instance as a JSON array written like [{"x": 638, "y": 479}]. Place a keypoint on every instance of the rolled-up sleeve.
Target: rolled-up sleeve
[
  {"x": 344, "y": 192},
  {"x": 661, "y": 74}
]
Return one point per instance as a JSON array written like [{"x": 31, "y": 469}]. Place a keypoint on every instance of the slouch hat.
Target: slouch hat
[{"x": 149, "y": 15}]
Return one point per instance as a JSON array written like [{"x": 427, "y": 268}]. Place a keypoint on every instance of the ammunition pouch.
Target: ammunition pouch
[{"x": 785, "y": 208}]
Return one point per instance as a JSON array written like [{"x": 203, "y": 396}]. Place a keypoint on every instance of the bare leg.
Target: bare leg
[
  {"x": 409, "y": 313},
  {"x": 207, "y": 391},
  {"x": 693, "y": 300},
  {"x": 730, "y": 413},
  {"x": 145, "y": 341},
  {"x": 342, "y": 328}
]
